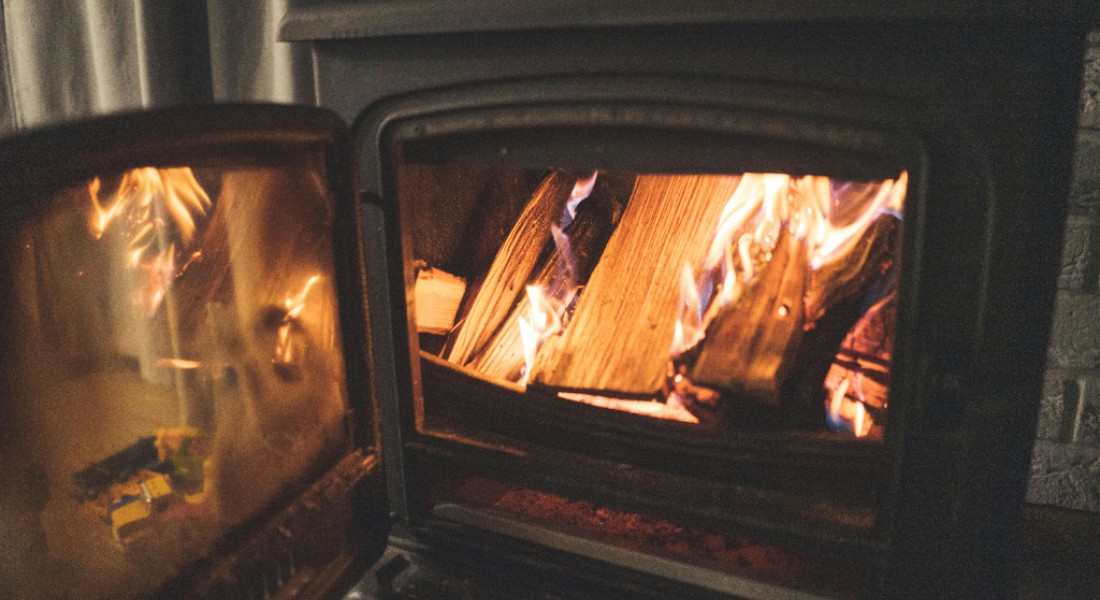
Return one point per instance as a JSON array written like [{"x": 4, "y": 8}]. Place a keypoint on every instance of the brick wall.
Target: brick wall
[{"x": 1065, "y": 468}]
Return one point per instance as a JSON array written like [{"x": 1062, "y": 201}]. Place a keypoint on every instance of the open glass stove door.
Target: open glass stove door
[{"x": 186, "y": 391}]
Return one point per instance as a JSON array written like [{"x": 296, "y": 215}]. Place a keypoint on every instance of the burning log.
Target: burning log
[
  {"x": 617, "y": 343},
  {"x": 870, "y": 268},
  {"x": 749, "y": 345},
  {"x": 511, "y": 268},
  {"x": 851, "y": 275},
  {"x": 860, "y": 372},
  {"x": 596, "y": 217}
]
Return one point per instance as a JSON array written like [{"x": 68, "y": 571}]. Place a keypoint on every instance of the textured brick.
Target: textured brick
[
  {"x": 1084, "y": 196},
  {"x": 1088, "y": 427},
  {"x": 1075, "y": 336},
  {"x": 1078, "y": 264},
  {"x": 1090, "y": 93},
  {"x": 1065, "y": 475},
  {"x": 1052, "y": 410}
]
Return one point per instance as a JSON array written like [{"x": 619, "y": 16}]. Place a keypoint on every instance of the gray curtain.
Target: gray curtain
[
  {"x": 68, "y": 59},
  {"x": 248, "y": 63}
]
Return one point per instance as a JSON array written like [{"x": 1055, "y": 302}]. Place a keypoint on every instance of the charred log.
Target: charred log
[{"x": 750, "y": 345}]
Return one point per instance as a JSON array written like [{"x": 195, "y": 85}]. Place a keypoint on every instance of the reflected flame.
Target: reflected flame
[
  {"x": 179, "y": 363},
  {"x": 101, "y": 217},
  {"x": 294, "y": 305},
  {"x": 157, "y": 211},
  {"x": 285, "y": 354}
]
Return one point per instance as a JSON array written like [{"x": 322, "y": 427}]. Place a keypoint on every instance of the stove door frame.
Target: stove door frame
[
  {"x": 841, "y": 133},
  {"x": 344, "y": 500}
]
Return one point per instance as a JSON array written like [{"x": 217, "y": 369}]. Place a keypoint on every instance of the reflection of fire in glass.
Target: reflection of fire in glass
[
  {"x": 179, "y": 365},
  {"x": 681, "y": 296},
  {"x": 287, "y": 358},
  {"x": 158, "y": 212}
]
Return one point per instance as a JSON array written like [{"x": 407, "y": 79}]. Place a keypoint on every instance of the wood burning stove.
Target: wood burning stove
[{"x": 808, "y": 252}]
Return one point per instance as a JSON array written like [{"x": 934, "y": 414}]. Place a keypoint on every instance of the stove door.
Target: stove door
[{"x": 186, "y": 382}]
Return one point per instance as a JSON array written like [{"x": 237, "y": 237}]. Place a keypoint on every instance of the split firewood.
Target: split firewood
[
  {"x": 512, "y": 268},
  {"x": 587, "y": 235},
  {"x": 749, "y": 345},
  {"x": 437, "y": 297},
  {"x": 617, "y": 343},
  {"x": 850, "y": 275},
  {"x": 496, "y": 208},
  {"x": 864, "y": 356}
]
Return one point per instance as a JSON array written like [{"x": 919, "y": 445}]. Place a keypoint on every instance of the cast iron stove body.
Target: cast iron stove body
[{"x": 976, "y": 103}]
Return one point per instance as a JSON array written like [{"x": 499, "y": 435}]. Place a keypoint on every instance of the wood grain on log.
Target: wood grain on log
[
  {"x": 865, "y": 355},
  {"x": 511, "y": 268},
  {"x": 749, "y": 345},
  {"x": 617, "y": 343},
  {"x": 588, "y": 235}
]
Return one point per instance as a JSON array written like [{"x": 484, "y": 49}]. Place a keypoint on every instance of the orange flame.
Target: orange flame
[
  {"x": 543, "y": 319},
  {"x": 688, "y": 329},
  {"x": 828, "y": 222},
  {"x": 762, "y": 206},
  {"x": 161, "y": 208},
  {"x": 582, "y": 189},
  {"x": 547, "y": 305}
]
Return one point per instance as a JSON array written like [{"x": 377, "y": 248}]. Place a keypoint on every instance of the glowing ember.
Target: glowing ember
[
  {"x": 672, "y": 410},
  {"x": 859, "y": 378}
]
